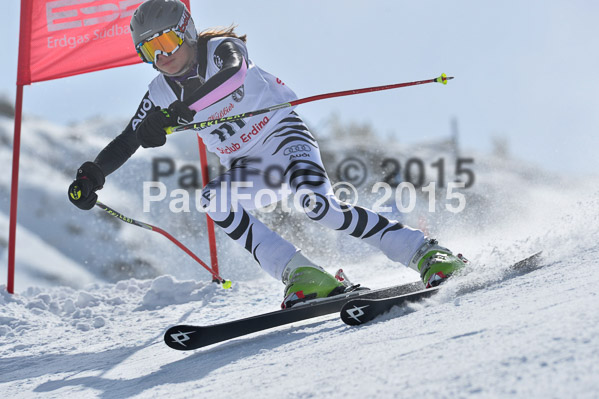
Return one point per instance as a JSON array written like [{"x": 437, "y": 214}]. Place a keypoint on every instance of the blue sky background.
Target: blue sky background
[{"x": 525, "y": 70}]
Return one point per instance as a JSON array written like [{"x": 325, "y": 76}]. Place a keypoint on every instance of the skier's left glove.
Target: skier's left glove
[
  {"x": 82, "y": 191},
  {"x": 151, "y": 133}
]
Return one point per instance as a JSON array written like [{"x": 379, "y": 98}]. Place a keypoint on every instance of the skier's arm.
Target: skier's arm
[
  {"x": 90, "y": 176},
  {"x": 119, "y": 150},
  {"x": 224, "y": 82}
]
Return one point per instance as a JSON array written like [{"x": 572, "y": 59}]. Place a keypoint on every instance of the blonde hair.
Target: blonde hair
[{"x": 210, "y": 33}]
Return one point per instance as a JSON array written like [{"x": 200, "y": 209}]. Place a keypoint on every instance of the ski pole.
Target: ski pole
[
  {"x": 215, "y": 277},
  {"x": 202, "y": 125}
]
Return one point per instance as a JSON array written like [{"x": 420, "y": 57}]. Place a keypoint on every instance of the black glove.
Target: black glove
[
  {"x": 82, "y": 191},
  {"x": 151, "y": 133}
]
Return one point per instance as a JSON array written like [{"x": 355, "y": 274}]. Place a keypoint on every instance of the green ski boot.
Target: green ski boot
[
  {"x": 304, "y": 281},
  {"x": 435, "y": 263}
]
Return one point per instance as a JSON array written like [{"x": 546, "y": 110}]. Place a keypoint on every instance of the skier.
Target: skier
[{"x": 212, "y": 72}]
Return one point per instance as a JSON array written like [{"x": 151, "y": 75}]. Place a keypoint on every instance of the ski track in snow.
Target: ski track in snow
[{"x": 532, "y": 336}]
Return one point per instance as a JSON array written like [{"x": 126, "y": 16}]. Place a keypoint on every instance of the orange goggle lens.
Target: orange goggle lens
[{"x": 166, "y": 44}]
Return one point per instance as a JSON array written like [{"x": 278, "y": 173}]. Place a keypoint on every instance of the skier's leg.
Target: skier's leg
[
  {"x": 298, "y": 150},
  {"x": 399, "y": 242},
  {"x": 227, "y": 200},
  {"x": 228, "y": 204},
  {"x": 294, "y": 147}
]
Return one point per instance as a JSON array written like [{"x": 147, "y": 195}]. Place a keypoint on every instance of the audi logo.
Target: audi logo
[{"x": 297, "y": 148}]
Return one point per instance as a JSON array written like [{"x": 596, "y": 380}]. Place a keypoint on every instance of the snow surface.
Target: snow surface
[{"x": 82, "y": 327}]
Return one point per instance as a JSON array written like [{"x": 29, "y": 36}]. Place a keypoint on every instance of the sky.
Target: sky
[{"x": 524, "y": 70}]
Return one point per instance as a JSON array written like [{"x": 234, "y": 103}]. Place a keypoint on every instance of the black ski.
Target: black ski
[
  {"x": 188, "y": 337},
  {"x": 361, "y": 310}
]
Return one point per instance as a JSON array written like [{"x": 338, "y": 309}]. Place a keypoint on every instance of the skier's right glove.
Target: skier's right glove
[
  {"x": 82, "y": 191},
  {"x": 151, "y": 133}
]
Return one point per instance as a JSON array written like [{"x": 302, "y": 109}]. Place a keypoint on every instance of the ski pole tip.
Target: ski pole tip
[{"x": 443, "y": 78}]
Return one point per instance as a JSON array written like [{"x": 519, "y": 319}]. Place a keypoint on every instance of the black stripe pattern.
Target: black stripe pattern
[
  {"x": 362, "y": 218},
  {"x": 301, "y": 173},
  {"x": 292, "y": 131},
  {"x": 243, "y": 227}
]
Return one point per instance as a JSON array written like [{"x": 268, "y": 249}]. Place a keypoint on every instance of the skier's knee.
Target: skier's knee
[{"x": 315, "y": 205}]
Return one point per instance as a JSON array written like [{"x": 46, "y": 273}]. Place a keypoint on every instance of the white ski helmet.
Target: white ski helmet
[{"x": 154, "y": 18}]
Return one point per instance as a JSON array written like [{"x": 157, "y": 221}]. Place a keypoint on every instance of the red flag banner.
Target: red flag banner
[{"x": 62, "y": 38}]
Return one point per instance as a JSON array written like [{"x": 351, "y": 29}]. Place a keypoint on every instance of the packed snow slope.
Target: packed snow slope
[{"x": 87, "y": 323}]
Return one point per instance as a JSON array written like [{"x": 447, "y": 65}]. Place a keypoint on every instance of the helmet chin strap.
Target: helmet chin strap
[{"x": 190, "y": 64}]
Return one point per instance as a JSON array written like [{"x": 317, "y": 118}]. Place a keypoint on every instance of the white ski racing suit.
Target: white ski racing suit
[{"x": 264, "y": 153}]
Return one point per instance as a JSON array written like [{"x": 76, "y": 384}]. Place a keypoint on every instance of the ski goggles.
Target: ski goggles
[{"x": 165, "y": 43}]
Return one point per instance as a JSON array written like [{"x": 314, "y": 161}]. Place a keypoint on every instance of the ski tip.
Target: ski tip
[
  {"x": 227, "y": 284},
  {"x": 352, "y": 312},
  {"x": 443, "y": 79},
  {"x": 183, "y": 337}
]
